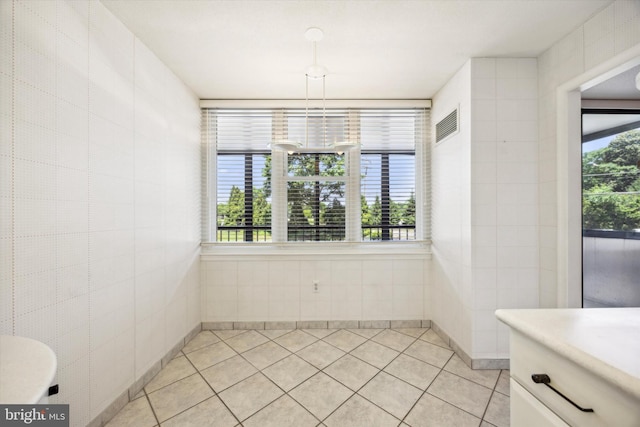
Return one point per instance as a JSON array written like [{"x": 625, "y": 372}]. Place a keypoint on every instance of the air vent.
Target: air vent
[{"x": 447, "y": 126}]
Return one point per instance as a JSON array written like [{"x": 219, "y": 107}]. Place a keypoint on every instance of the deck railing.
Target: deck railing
[{"x": 239, "y": 233}]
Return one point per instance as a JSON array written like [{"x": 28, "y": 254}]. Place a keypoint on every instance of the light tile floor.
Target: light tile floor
[{"x": 319, "y": 377}]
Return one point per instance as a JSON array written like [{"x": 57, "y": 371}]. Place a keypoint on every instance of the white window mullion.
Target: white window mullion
[
  {"x": 213, "y": 183},
  {"x": 278, "y": 196},
  {"x": 422, "y": 164},
  {"x": 423, "y": 177},
  {"x": 353, "y": 210},
  {"x": 209, "y": 177},
  {"x": 279, "y": 180}
]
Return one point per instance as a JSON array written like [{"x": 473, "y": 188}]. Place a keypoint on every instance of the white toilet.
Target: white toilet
[{"x": 27, "y": 369}]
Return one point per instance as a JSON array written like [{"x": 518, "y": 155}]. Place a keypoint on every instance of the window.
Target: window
[
  {"x": 243, "y": 211},
  {"x": 610, "y": 207},
  {"x": 388, "y": 196},
  {"x": 372, "y": 193},
  {"x": 316, "y": 191}
]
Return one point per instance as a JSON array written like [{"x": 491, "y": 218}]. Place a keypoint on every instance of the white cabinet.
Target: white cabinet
[
  {"x": 610, "y": 406},
  {"x": 593, "y": 367},
  {"x": 527, "y": 411}
]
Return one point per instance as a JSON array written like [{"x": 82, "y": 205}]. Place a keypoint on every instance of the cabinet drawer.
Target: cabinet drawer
[
  {"x": 611, "y": 406},
  {"x": 527, "y": 411}
]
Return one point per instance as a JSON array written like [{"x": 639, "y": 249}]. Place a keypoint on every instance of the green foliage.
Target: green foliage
[
  {"x": 261, "y": 208},
  {"x": 611, "y": 185},
  {"x": 312, "y": 203},
  {"x": 404, "y": 213},
  {"x": 624, "y": 150},
  {"x": 299, "y": 196},
  {"x": 409, "y": 215},
  {"x": 366, "y": 212},
  {"x": 598, "y": 169},
  {"x": 234, "y": 212},
  {"x": 376, "y": 212}
]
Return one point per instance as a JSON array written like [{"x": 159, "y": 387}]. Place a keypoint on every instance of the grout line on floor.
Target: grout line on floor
[
  {"x": 427, "y": 387},
  {"x": 351, "y": 393},
  {"x": 371, "y": 379},
  {"x": 212, "y": 390},
  {"x": 146, "y": 396}
]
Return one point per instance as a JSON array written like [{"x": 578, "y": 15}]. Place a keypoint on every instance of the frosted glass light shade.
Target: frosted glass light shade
[
  {"x": 341, "y": 147},
  {"x": 286, "y": 145}
]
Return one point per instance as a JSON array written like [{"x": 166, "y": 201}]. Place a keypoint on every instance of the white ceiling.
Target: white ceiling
[{"x": 385, "y": 49}]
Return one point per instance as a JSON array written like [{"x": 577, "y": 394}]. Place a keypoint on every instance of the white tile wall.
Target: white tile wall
[
  {"x": 452, "y": 198},
  {"x": 609, "y": 33},
  {"x": 494, "y": 231},
  {"x": 280, "y": 288},
  {"x": 86, "y": 189},
  {"x": 512, "y": 186},
  {"x": 510, "y": 243}
]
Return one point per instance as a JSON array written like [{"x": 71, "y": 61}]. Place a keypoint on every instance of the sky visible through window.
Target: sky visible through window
[
  {"x": 597, "y": 144},
  {"x": 401, "y": 178}
]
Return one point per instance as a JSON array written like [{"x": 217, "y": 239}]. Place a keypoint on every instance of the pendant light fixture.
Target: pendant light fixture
[{"x": 314, "y": 72}]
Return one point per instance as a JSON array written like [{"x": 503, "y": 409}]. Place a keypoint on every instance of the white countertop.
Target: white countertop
[
  {"x": 606, "y": 341},
  {"x": 27, "y": 368}
]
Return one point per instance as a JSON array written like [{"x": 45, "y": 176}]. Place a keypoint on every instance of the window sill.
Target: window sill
[{"x": 303, "y": 250}]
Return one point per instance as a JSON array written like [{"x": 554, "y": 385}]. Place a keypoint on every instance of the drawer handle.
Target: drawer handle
[{"x": 544, "y": 379}]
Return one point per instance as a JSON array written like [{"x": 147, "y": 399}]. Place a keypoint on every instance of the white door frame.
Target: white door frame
[{"x": 569, "y": 172}]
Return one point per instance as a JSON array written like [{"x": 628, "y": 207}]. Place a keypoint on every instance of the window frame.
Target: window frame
[
  {"x": 386, "y": 225},
  {"x": 249, "y": 228},
  {"x": 317, "y": 178},
  {"x": 353, "y": 225}
]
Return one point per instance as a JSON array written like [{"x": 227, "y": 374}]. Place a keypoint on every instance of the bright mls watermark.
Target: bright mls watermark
[{"x": 34, "y": 415}]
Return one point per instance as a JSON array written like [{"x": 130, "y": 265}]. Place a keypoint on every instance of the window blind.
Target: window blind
[
  {"x": 371, "y": 193},
  {"x": 242, "y": 130},
  {"x": 239, "y": 130},
  {"x": 243, "y": 161},
  {"x": 388, "y": 173},
  {"x": 390, "y": 130}
]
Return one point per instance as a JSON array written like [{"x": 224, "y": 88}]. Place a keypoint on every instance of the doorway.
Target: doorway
[{"x": 611, "y": 206}]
